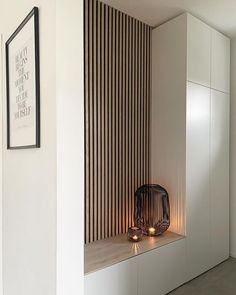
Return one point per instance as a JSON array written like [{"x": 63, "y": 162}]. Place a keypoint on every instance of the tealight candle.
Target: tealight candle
[
  {"x": 151, "y": 231},
  {"x": 135, "y": 238},
  {"x": 135, "y": 234}
]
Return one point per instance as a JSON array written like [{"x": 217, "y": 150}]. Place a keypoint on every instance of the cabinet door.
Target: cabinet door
[
  {"x": 220, "y": 62},
  {"x": 199, "y": 52},
  {"x": 118, "y": 279},
  {"x": 198, "y": 179},
  {"x": 162, "y": 270},
  {"x": 219, "y": 177}
]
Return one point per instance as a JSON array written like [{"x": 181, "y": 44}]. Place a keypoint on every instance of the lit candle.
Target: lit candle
[
  {"x": 134, "y": 234},
  {"x": 151, "y": 231}
]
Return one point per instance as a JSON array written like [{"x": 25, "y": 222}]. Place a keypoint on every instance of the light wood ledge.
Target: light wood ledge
[{"x": 104, "y": 253}]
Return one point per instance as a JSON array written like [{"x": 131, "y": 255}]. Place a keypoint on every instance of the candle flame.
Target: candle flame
[{"x": 151, "y": 230}]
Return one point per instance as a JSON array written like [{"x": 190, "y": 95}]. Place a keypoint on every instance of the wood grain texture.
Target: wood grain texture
[
  {"x": 117, "y": 94},
  {"x": 104, "y": 253}
]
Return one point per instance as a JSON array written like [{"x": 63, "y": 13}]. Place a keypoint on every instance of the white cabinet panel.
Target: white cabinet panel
[
  {"x": 116, "y": 280},
  {"x": 220, "y": 62},
  {"x": 162, "y": 270},
  {"x": 198, "y": 179},
  {"x": 219, "y": 176},
  {"x": 167, "y": 112},
  {"x": 199, "y": 52}
]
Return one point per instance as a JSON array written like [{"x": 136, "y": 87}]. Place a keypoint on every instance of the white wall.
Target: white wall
[
  {"x": 233, "y": 152},
  {"x": 1, "y": 89},
  {"x": 36, "y": 242},
  {"x": 70, "y": 153},
  {"x": 29, "y": 176}
]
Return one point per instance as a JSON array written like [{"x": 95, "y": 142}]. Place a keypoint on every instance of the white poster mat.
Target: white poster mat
[{"x": 22, "y": 95}]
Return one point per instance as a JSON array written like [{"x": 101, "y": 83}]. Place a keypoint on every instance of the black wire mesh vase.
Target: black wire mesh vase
[{"x": 152, "y": 209}]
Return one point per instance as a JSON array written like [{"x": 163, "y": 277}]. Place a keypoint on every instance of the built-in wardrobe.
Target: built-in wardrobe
[{"x": 190, "y": 134}]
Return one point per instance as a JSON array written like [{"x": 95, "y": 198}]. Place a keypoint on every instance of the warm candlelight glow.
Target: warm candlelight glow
[
  {"x": 135, "y": 234},
  {"x": 135, "y": 238},
  {"x": 151, "y": 230},
  {"x": 135, "y": 248}
]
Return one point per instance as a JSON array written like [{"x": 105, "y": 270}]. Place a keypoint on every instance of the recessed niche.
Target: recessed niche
[{"x": 119, "y": 149}]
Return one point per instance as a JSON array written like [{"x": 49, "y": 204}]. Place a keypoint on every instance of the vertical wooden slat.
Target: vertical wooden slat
[
  {"x": 149, "y": 96},
  {"x": 141, "y": 105},
  {"x": 120, "y": 124},
  {"x": 144, "y": 103},
  {"x": 113, "y": 121},
  {"x": 99, "y": 216},
  {"x": 136, "y": 108},
  {"x": 117, "y": 127},
  {"x": 86, "y": 81},
  {"x": 130, "y": 122},
  {"x": 138, "y": 105},
  {"x": 147, "y": 107},
  {"x": 110, "y": 120},
  {"x": 133, "y": 110},
  {"x": 123, "y": 127},
  {"x": 102, "y": 121},
  {"x": 106, "y": 102},
  {"x": 95, "y": 129},
  {"x": 117, "y": 93},
  {"x": 91, "y": 121},
  {"x": 126, "y": 123}
]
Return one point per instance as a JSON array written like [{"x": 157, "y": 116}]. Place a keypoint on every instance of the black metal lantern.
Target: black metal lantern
[{"x": 152, "y": 209}]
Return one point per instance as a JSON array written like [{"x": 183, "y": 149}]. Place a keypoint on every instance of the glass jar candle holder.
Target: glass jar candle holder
[
  {"x": 152, "y": 209},
  {"x": 135, "y": 234}
]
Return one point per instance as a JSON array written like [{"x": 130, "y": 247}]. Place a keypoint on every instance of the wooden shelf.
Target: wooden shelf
[{"x": 104, "y": 253}]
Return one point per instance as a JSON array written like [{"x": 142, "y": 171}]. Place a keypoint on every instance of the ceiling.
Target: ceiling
[{"x": 221, "y": 14}]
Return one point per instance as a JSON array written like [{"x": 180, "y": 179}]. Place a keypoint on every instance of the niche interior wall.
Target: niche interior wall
[{"x": 117, "y": 102}]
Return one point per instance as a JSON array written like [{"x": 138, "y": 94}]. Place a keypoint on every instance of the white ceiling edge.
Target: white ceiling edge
[{"x": 219, "y": 14}]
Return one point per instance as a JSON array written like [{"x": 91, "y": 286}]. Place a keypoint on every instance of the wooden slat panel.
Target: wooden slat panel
[{"x": 117, "y": 93}]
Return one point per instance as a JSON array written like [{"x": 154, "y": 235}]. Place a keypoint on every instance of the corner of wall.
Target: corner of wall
[{"x": 232, "y": 151}]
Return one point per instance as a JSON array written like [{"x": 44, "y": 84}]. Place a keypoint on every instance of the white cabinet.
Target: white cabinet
[
  {"x": 219, "y": 176},
  {"x": 208, "y": 55},
  {"x": 162, "y": 270},
  {"x": 197, "y": 179},
  {"x": 220, "y": 62},
  {"x": 199, "y": 51},
  {"x": 190, "y": 135},
  {"x": 156, "y": 272},
  {"x": 118, "y": 279}
]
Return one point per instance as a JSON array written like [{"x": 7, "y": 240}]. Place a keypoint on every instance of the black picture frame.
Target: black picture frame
[{"x": 34, "y": 13}]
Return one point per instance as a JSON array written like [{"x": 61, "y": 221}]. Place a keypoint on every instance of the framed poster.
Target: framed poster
[{"x": 23, "y": 84}]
